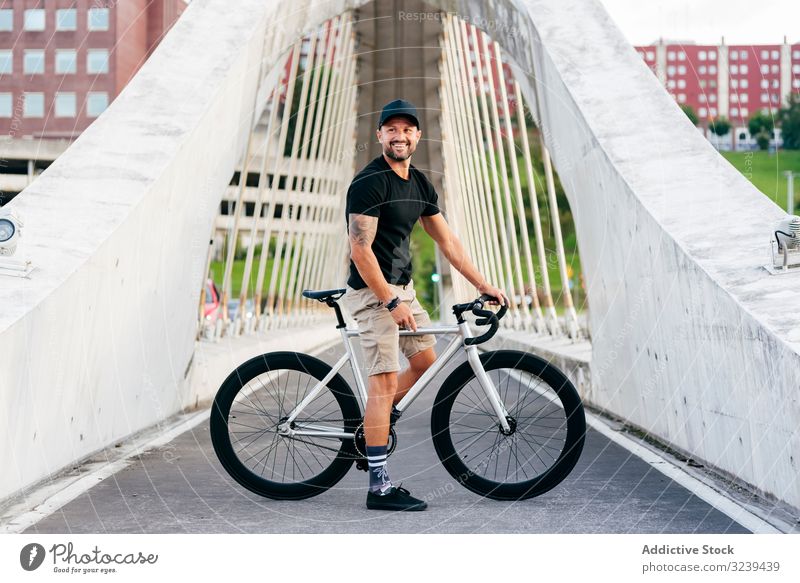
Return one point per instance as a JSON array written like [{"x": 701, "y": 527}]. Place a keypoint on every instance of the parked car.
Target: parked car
[
  {"x": 211, "y": 310},
  {"x": 233, "y": 308}
]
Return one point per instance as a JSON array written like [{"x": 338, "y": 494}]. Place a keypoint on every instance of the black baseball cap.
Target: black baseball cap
[{"x": 398, "y": 107}]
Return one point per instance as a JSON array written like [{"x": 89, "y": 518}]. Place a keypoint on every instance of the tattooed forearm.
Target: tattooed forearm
[{"x": 362, "y": 230}]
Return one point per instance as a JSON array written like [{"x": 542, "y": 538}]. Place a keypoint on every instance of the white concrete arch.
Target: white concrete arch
[{"x": 692, "y": 340}]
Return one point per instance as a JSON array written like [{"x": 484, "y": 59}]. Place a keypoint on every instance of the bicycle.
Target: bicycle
[{"x": 284, "y": 406}]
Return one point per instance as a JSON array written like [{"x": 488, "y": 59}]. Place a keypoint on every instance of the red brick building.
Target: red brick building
[
  {"x": 63, "y": 61},
  {"x": 732, "y": 81}
]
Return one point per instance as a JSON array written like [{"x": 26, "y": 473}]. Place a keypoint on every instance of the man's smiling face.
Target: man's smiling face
[{"x": 398, "y": 137}]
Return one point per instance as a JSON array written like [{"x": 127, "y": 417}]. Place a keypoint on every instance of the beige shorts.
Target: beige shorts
[{"x": 379, "y": 334}]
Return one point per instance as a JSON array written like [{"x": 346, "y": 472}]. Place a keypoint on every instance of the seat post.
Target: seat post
[{"x": 332, "y": 303}]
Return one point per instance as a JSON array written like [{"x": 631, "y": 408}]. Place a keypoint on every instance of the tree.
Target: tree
[
  {"x": 762, "y": 139},
  {"x": 720, "y": 126},
  {"x": 760, "y": 122},
  {"x": 689, "y": 111},
  {"x": 789, "y": 118}
]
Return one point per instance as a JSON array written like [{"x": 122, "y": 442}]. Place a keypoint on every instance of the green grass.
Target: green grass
[
  {"x": 765, "y": 171},
  {"x": 218, "y": 269}
]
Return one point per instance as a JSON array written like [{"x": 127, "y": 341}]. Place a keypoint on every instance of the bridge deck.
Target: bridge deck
[{"x": 181, "y": 488}]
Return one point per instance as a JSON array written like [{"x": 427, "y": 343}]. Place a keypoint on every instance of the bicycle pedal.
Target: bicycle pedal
[{"x": 361, "y": 464}]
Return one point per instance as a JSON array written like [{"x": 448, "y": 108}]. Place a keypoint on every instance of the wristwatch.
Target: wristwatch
[{"x": 392, "y": 304}]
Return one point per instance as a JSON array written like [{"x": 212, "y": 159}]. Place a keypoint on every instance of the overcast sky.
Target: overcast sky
[{"x": 706, "y": 21}]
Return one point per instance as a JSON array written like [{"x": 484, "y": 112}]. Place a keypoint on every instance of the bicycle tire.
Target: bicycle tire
[
  {"x": 460, "y": 409},
  {"x": 240, "y": 398}
]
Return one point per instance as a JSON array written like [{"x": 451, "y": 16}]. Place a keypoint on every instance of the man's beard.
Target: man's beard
[{"x": 389, "y": 151}]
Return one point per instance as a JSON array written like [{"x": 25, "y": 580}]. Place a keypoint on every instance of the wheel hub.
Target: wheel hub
[{"x": 512, "y": 426}]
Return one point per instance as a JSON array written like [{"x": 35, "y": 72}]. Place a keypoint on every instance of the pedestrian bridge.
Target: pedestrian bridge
[{"x": 244, "y": 130}]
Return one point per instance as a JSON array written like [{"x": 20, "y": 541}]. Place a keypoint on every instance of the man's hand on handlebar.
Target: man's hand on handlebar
[
  {"x": 403, "y": 317},
  {"x": 490, "y": 290}
]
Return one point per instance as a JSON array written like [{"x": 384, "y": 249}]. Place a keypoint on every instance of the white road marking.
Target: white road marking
[
  {"x": 47, "y": 500},
  {"x": 666, "y": 466}
]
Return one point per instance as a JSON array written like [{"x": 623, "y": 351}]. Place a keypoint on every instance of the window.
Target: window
[
  {"x": 96, "y": 103},
  {"x": 671, "y": 84},
  {"x": 671, "y": 70},
  {"x": 712, "y": 55},
  {"x": 774, "y": 98},
  {"x": 97, "y": 19},
  {"x": 681, "y": 84},
  {"x": 743, "y": 98},
  {"x": 97, "y": 61},
  {"x": 744, "y": 111},
  {"x": 65, "y": 104},
  {"x": 34, "y": 20},
  {"x": 712, "y": 84},
  {"x": 775, "y": 68},
  {"x": 6, "y": 22},
  {"x": 796, "y": 54},
  {"x": 734, "y": 83},
  {"x": 671, "y": 56},
  {"x": 713, "y": 112},
  {"x": 6, "y": 62},
  {"x": 712, "y": 69},
  {"x": 66, "y": 19},
  {"x": 734, "y": 98},
  {"x": 703, "y": 97},
  {"x": 701, "y": 55},
  {"x": 796, "y": 83},
  {"x": 764, "y": 83},
  {"x": 734, "y": 69},
  {"x": 681, "y": 56},
  {"x": 775, "y": 55},
  {"x": 764, "y": 55},
  {"x": 33, "y": 62},
  {"x": 681, "y": 97},
  {"x": 34, "y": 105},
  {"x": 743, "y": 69},
  {"x": 6, "y": 103},
  {"x": 764, "y": 98},
  {"x": 765, "y": 69},
  {"x": 796, "y": 69},
  {"x": 712, "y": 98},
  {"x": 734, "y": 111},
  {"x": 681, "y": 69},
  {"x": 702, "y": 111},
  {"x": 650, "y": 55},
  {"x": 66, "y": 61},
  {"x": 744, "y": 84},
  {"x": 734, "y": 55},
  {"x": 776, "y": 84},
  {"x": 703, "y": 83},
  {"x": 701, "y": 69},
  {"x": 743, "y": 55}
]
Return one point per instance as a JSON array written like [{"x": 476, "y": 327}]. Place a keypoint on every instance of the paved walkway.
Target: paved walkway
[{"x": 182, "y": 488}]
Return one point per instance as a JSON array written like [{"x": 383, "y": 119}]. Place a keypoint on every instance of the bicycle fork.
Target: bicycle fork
[{"x": 488, "y": 387}]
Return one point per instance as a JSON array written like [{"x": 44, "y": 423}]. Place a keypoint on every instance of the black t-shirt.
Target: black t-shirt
[{"x": 378, "y": 191}]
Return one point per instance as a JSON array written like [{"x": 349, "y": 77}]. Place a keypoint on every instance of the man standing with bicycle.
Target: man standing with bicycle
[{"x": 384, "y": 202}]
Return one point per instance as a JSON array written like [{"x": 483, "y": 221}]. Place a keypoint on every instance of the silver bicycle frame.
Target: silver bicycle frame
[{"x": 461, "y": 331}]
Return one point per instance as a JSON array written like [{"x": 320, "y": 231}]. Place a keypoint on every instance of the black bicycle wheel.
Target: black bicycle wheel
[
  {"x": 547, "y": 422},
  {"x": 255, "y": 399}
]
